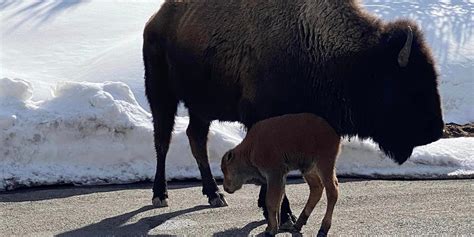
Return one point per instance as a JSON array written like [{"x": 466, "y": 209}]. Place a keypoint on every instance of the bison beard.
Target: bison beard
[{"x": 250, "y": 60}]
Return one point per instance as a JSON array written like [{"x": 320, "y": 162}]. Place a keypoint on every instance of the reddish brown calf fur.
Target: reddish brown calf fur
[{"x": 275, "y": 146}]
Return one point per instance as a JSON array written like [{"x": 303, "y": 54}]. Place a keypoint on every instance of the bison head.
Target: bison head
[{"x": 409, "y": 113}]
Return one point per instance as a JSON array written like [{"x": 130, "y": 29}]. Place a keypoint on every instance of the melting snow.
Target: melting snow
[{"x": 55, "y": 128}]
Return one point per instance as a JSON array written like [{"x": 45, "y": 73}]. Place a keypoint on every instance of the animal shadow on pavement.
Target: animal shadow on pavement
[
  {"x": 63, "y": 191},
  {"x": 115, "y": 226},
  {"x": 48, "y": 192},
  {"x": 244, "y": 231}
]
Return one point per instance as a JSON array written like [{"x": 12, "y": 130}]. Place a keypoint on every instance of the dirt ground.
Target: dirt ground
[{"x": 456, "y": 130}]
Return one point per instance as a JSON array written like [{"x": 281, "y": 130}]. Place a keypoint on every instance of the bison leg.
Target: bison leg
[
  {"x": 163, "y": 122},
  {"x": 163, "y": 105},
  {"x": 197, "y": 134},
  {"x": 287, "y": 218},
  {"x": 316, "y": 191}
]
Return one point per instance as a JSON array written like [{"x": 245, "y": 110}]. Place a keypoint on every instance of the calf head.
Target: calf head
[{"x": 234, "y": 170}]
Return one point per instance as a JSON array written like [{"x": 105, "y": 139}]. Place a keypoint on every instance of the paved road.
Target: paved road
[{"x": 365, "y": 207}]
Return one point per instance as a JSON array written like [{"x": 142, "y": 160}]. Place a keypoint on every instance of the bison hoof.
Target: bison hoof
[
  {"x": 160, "y": 203},
  {"x": 269, "y": 231},
  {"x": 218, "y": 201},
  {"x": 268, "y": 234},
  {"x": 293, "y": 218},
  {"x": 288, "y": 225},
  {"x": 296, "y": 228}
]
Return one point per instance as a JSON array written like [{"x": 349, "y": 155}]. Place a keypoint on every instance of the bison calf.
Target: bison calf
[{"x": 275, "y": 146}]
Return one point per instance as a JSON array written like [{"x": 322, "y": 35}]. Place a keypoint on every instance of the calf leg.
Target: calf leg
[
  {"x": 274, "y": 195},
  {"x": 197, "y": 134},
  {"x": 332, "y": 193},
  {"x": 286, "y": 216},
  {"x": 248, "y": 118},
  {"x": 316, "y": 191}
]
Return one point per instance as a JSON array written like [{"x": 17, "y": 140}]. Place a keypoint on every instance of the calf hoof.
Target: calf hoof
[
  {"x": 322, "y": 233},
  {"x": 218, "y": 201},
  {"x": 157, "y": 202}
]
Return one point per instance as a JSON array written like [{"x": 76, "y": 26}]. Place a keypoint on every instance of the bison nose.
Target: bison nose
[
  {"x": 432, "y": 130},
  {"x": 438, "y": 130}
]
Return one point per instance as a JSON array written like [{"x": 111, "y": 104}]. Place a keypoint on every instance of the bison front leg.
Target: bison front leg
[
  {"x": 197, "y": 134},
  {"x": 274, "y": 196}
]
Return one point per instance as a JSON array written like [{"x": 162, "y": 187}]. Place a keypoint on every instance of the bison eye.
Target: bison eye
[{"x": 228, "y": 156}]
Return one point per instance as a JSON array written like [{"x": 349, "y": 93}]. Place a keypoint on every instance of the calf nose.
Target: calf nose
[{"x": 228, "y": 190}]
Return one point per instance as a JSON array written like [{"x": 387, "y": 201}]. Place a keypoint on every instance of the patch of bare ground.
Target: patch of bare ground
[{"x": 452, "y": 130}]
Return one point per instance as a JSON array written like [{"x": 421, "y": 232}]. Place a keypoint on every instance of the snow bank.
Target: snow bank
[
  {"x": 97, "y": 133},
  {"x": 14, "y": 90},
  {"x": 446, "y": 158},
  {"x": 86, "y": 133}
]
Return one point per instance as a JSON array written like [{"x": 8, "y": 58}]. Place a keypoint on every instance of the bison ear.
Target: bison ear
[
  {"x": 404, "y": 55},
  {"x": 399, "y": 39}
]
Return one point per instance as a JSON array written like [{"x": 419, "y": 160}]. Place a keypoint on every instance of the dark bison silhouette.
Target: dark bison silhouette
[{"x": 249, "y": 60}]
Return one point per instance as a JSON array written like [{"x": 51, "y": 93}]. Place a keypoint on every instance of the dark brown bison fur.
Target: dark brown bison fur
[{"x": 250, "y": 60}]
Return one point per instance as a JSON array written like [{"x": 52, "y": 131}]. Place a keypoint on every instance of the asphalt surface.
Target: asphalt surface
[{"x": 364, "y": 207}]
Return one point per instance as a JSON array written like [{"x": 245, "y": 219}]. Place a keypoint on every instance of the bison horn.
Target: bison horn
[{"x": 404, "y": 55}]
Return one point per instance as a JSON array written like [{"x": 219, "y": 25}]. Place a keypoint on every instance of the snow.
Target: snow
[
  {"x": 95, "y": 133},
  {"x": 84, "y": 129},
  {"x": 79, "y": 115},
  {"x": 446, "y": 158}
]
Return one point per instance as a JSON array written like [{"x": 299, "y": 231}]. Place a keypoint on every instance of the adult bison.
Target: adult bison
[{"x": 249, "y": 60}]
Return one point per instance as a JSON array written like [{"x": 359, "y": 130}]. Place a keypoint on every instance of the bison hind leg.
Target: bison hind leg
[
  {"x": 316, "y": 190},
  {"x": 163, "y": 104},
  {"x": 163, "y": 122}
]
